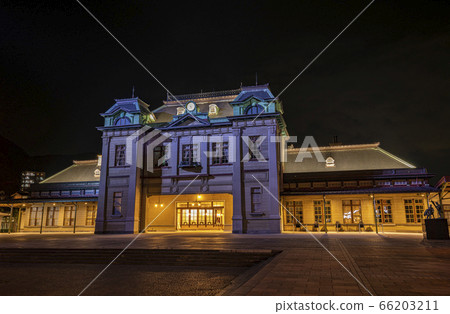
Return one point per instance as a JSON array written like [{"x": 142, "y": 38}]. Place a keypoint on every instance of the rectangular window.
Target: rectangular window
[
  {"x": 35, "y": 216},
  {"x": 91, "y": 213},
  {"x": 256, "y": 199},
  {"x": 69, "y": 216},
  {"x": 413, "y": 210},
  {"x": 294, "y": 209},
  {"x": 52, "y": 216},
  {"x": 384, "y": 211},
  {"x": 117, "y": 203},
  {"x": 253, "y": 147},
  {"x": 319, "y": 212},
  {"x": 351, "y": 210},
  {"x": 158, "y": 153},
  {"x": 220, "y": 153},
  {"x": 120, "y": 155},
  {"x": 189, "y": 154}
]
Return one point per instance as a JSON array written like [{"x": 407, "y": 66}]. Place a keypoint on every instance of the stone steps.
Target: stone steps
[{"x": 169, "y": 257}]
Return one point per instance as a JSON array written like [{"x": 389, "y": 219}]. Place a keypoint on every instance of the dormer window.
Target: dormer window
[
  {"x": 329, "y": 162},
  {"x": 180, "y": 111},
  {"x": 254, "y": 109},
  {"x": 122, "y": 121},
  {"x": 213, "y": 110},
  {"x": 152, "y": 117}
]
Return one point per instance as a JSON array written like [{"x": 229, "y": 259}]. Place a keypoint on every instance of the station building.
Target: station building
[{"x": 153, "y": 175}]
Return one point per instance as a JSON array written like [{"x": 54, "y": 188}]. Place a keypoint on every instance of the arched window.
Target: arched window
[
  {"x": 122, "y": 121},
  {"x": 213, "y": 109},
  {"x": 329, "y": 162},
  {"x": 255, "y": 109}
]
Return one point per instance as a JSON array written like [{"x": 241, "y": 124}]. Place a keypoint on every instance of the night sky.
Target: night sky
[{"x": 385, "y": 79}]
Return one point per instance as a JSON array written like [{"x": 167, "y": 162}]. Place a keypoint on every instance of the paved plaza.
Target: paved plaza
[{"x": 384, "y": 264}]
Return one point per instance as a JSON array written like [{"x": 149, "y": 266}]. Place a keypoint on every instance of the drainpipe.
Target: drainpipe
[
  {"x": 375, "y": 213},
  {"x": 42, "y": 217},
  {"x": 325, "y": 214},
  {"x": 10, "y": 219},
  {"x": 75, "y": 218}
]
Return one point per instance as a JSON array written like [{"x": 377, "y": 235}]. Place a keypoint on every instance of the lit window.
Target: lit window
[
  {"x": 52, "y": 216},
  {"x": 69, "y": 216},
  {"x": 329, "y": 162},
  {"x": 91, "y": 212},
  {"x": 35, "y": 216},
  {"x": 180, "y": 110},
  {"x": 294, "y": 209},
  {"x": 319, "y": 212},
  {"x": 384, "y": 211},
  {"x": 351, "y": 210},
  {"x": 213, "y": 109},
  {"x": 413, "y": 210}
]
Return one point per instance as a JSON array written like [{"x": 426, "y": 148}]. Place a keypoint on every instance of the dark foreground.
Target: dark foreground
[{"x": 385, "y": 264}]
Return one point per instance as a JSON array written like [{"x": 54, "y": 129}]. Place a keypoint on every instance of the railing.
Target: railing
[{"x": 204, "y": 95}]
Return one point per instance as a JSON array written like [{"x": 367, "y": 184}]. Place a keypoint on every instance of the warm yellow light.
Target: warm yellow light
[
  {"x": 199, "y": 197},
  {"x": 156, "y": 205},
  {"x": 162, "y": 205},
  {"x": 85, "y": 203},
  {"x": 54, "y": 204}
]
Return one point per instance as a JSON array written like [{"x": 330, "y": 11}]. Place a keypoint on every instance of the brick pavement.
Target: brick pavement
[{"x": 386, "y": 264}]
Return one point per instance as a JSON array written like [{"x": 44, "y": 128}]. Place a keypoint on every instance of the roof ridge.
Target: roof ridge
[{"x": 339, "y": 147}]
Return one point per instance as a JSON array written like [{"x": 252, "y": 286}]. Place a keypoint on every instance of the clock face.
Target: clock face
[{"x": 190, "y": 106}]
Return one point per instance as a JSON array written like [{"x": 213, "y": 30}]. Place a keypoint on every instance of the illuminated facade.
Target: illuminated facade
[
  {"x": 154, "y": 175},
  {"x": 197, "y": 192}
]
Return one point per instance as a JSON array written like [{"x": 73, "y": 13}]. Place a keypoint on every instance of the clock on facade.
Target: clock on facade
[{"x": 190, "y": 106}]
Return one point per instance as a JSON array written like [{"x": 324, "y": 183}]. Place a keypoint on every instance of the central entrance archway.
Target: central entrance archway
[{"x": 205, "y": 215}]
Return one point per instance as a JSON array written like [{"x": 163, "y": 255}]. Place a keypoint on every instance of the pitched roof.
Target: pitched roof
[
  {"x": 345, "y": 158},
  {"x": 132, "y": 105},
  {"x": 80, "y": 171},
  {"x": 261, "y": 92}
]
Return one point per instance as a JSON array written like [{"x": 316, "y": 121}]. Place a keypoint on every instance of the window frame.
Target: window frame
[
  {"x": 69, "y": 220},
  {"x": 117, "y": 203},
  {"x": 91, "y": 215},
  {"x": 318, "y": 206},
  {"x": 381, "y": 215},
  {"x": 295, "y": 208},
  {"x": 224, "y": 148},
  {"x": 191, "y": 150},
  {"x": 415, "y": 216},
  {"x": 353, "y": 203},
  {"x": 37, "y": 220},
  {"x": 54, "y": 219},
  {"x": 120, "y": 155}
]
